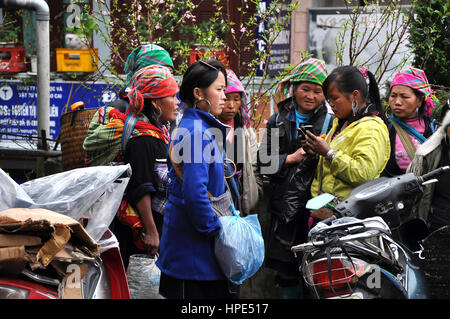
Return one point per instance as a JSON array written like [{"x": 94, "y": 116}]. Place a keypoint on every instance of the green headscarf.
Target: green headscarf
[
  {"x": 312, "y": 70},
  {"x": 145, "y": 55}
]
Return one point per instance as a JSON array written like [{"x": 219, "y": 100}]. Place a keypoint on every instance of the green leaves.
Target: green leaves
[{"x": 429, "y": 40}]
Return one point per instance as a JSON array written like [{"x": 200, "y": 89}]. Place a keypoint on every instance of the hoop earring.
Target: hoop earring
[
  {"x": 200, "y": 100},
  {"x": 159, "y": 114}
]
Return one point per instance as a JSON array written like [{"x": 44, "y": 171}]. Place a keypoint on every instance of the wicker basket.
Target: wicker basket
[{"x": 74, "y": 126}]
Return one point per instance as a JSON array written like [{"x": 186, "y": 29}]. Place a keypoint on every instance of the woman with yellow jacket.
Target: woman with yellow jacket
[{"x": 357, "y": 147}]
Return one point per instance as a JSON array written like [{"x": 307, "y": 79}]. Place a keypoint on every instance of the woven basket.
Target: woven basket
[{"x": 74, "y": 126}]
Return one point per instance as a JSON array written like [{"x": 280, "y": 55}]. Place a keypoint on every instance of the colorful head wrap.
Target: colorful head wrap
[
  {"x": 145, "y": 55},
  {"x": 312, "y": 70},
  {"x": 234, "y": 85},
  {"x": 151, "y": 82},
  {"x": 416, "y": 79}
]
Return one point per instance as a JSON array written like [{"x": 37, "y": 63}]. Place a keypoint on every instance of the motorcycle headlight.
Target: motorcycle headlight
[{"x": 11, "y": 292}]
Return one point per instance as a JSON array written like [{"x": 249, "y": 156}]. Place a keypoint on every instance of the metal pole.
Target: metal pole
[
  {"x": 43, "y": 60},
  {"x": 43, "y": 80}
]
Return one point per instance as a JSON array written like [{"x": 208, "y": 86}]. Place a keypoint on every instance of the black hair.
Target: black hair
[
  {"x": 239, "y": 118},
  {"x": 349, "y": 78},
  {"x": 150, "y": 111},
  {"x": 422, "y": 107},
  {"x": 199, "y": 74}
]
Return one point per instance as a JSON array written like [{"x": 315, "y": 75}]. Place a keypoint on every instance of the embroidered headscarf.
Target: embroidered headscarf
[
  {"x": 234, "y": 85},
  {"x": 312, "y": 70},
  {"x": 145, "y": 55},
  {"x": 416, "y": 79},
  {"x": 151, "y": 82}
]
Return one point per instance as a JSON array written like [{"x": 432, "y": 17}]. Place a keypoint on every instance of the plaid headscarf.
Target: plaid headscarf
[
  {"x": 151, "y": 82},
  {"x": 312, "y": 70},
  {"x": 416, "y": 79},
  {"x": 145, "y": 55}
]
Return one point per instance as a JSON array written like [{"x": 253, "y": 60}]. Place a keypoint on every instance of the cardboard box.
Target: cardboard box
[
  {"x": 10, "y": 240},
  {"x": 58, "y": 228},
  {"x": 38, "y": 238},
  {"x": 12, "y": 260}
]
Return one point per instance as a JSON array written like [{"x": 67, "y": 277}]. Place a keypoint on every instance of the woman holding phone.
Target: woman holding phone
[{"x": 284, "y": 160}]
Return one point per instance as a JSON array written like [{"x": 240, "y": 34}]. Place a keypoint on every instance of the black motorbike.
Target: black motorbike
[{"x": 370, "y": 248}]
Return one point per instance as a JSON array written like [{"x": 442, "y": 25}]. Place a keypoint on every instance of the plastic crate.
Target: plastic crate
[
  {"x": 12, "y": 59},
  {"x": 75, "y": 60}
]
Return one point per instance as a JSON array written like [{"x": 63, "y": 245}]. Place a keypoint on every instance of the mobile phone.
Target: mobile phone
[{"x": 303, "y": 128}]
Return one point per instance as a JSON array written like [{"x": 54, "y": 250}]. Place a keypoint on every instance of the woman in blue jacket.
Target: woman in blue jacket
[{"x": 189, "y": 269}]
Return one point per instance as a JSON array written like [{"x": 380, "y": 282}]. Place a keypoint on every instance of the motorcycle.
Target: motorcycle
[
  {"x": 370, "y": 248},
  {"x": 89, "y": 265}
]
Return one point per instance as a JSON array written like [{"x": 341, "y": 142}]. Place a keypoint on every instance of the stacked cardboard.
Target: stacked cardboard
[{"x": 33, "y": 239}]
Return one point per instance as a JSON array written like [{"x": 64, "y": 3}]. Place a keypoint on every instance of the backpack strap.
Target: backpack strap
[
  {"x": 406, "y": 140},
  {"x": 326, "y": 123},
  {"x": 127, "y": 130}
]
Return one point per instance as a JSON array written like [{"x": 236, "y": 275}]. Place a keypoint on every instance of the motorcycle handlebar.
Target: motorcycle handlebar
[{"x": 433, "y": 174}]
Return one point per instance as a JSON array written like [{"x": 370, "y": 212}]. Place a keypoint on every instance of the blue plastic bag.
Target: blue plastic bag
[{"x": 239, "y": 248}]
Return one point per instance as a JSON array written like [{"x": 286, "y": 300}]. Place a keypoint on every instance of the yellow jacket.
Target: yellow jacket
[{"x": 363, "y": 149}]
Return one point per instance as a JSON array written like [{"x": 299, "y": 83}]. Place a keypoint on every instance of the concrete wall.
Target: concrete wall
[{"x": 299, "y": 40}]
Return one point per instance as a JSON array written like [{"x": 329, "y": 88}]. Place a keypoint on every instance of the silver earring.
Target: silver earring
[
  {"x": 200, "y": 100},
  {"x": 159, "y": 114},
  {"x": 355, "y": 107}
]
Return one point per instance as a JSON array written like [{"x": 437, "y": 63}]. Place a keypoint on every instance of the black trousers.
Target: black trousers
[{"x": 173, "y": 288}]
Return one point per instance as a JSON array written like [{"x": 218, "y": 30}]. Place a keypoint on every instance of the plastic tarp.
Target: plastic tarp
[{"x": 91, "y": 192}]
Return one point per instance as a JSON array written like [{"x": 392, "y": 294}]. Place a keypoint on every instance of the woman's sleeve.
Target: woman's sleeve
[
  {"x": 270, "y": 161},
  {"x": 370, "y": 151},
  {"x": 253, "y": 149}
]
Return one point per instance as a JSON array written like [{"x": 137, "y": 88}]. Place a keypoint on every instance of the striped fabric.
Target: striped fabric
[
  {"x": 103, "y": 141},
  {"x": 151, "y": 82},
  {"x": 416, "y": 79},
  {"x": 312, "y": 70},
  {"x": 145, "y": 55}
]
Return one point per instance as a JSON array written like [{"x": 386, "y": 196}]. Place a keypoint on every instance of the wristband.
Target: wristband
[{"x": 331, "y": 154}]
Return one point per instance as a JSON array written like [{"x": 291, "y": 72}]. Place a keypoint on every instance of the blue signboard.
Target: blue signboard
[
  {"x": 280, "y": 52},
  {"x": 18, "y": 105}
]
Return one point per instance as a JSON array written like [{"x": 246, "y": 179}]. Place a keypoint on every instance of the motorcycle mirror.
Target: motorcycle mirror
[{"x": 319, "y": 201}]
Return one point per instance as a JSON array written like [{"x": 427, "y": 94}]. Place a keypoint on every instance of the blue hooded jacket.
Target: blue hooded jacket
[{"x": 190, "y": 225}]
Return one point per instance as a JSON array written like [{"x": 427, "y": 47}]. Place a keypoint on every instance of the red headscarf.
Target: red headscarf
[{"x": 151, "y": 82}]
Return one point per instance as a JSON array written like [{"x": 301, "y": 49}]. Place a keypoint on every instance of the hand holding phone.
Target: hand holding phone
[{"x": 303, "y": 128}]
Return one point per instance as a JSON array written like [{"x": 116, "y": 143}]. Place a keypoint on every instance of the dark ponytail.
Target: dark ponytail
[{"x": 374, "y": 97}]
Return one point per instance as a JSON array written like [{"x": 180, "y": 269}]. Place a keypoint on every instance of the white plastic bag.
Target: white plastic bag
[{"x": 143, "y": 277}]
